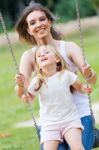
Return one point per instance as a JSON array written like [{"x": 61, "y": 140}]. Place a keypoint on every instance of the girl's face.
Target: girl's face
[
  {"x": 45, "y": 57},
  {"x": 38, "y": 24}
]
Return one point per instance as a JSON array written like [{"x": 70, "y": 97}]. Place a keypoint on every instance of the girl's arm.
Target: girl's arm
[
  {"x": 75, "y": 54},
  {"x": 84, "y": 88},
  {"x": 27, "y": 97}
]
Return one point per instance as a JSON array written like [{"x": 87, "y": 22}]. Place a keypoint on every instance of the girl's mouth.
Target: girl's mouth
[{"x": 44, "y": 59}]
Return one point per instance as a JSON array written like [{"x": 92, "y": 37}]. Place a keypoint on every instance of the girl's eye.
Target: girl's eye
[
  {"x": 47, "y": 52},
  {"x": 39, "y": 56}
]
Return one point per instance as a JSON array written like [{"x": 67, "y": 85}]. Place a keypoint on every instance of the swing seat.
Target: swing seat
[{"x": 96, "y": 142}]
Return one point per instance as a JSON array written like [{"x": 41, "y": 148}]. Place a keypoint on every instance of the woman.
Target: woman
[{"x": 36, "y": 27}]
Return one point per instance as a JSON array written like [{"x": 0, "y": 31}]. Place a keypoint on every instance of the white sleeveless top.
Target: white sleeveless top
[{"x": 81, "y": 100}]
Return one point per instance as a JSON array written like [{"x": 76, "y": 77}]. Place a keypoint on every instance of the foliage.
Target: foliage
[
  {"x": 96, "y": 4},
  {"x": 65, "y": 9}
]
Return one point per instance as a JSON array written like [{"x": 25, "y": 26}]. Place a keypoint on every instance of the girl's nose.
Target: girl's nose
[{"x": 42, "y": 54}]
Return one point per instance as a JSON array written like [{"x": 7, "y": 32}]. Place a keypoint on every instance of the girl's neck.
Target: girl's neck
[{"x": 50, "y": 70}]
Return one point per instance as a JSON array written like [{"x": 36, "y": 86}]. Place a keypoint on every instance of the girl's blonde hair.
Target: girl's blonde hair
[{"x": 61, "y": 65}]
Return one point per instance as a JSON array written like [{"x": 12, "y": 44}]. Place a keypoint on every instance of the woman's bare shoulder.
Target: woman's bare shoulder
[
  {"x": 70, "y": 44},
  {"x": 72, "y": 47},
  {"x": 28, "y": 54}
]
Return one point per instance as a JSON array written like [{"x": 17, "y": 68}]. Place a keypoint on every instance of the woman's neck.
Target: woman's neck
[{"x": 46, "y": 40}]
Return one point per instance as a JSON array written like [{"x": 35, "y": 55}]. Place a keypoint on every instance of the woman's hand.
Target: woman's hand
[
  {"x": 89, "y": 74},
  {"x": 87, "y": 71},
  {"x": 86, "y": 88},
  {"x": 19, "y": 78}
]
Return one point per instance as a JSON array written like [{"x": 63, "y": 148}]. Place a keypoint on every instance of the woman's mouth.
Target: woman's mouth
[{"x": 41, "y": 30}]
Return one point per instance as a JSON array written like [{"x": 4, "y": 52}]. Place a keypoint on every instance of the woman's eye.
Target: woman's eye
[
  {"x": 42, "y": 19},
  {"x": 32, "y": 22}
]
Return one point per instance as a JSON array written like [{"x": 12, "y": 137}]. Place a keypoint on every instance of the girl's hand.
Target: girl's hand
[
  {"x": 19, "y": 78},
  {"x": 87, "y": 71},
  {"x": 86, "y": 88},
  {"x": 27, "y": 98}
]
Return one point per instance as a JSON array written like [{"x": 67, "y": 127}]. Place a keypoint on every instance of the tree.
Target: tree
[{"x": 96, "y": 5}]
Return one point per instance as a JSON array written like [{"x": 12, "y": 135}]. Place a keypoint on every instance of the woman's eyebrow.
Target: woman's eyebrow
[
  {"x": 32, "y": 20},
  {"x": 40, "y": 17}
]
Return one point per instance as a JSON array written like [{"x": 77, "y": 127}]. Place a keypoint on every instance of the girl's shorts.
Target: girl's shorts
[{"x": 57, "y": 131}]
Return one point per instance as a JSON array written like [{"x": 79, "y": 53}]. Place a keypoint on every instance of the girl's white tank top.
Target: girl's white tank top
[{"x": 81, "y": 100}]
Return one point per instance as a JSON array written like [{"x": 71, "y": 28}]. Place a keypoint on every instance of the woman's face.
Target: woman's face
[{"x": 38, "y": 24}]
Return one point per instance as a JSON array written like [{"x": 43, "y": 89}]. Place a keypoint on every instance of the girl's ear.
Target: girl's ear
[
  {"x": 40, "y": 70},
  {"x": 57, "y": 59}
]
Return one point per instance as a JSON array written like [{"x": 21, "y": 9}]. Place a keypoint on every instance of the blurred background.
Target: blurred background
[
  {"x": 16, "y": 126},
  {"x": 65, "y": 9}
]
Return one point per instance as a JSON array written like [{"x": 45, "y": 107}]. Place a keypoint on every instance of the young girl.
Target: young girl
[{"x": 58, "y": 114}]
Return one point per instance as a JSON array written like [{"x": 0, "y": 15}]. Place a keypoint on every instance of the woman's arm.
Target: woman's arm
[
  {"x": 75, "y": 54},
  {"x": 25, "y": 69}
]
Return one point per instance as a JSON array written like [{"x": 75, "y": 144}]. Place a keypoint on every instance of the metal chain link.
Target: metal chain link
[
  {"x": 17, "y": 69},
  {"x": 9, "y": 43},
  {"x": 83, "y": 51}
]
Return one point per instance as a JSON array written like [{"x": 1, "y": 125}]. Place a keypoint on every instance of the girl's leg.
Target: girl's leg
[
  {"x": 88, "y": 132},
  {"x": 50, "y": 145},
  {"x": 74, "y": 139},
  {"x": 61, "y": 146}
]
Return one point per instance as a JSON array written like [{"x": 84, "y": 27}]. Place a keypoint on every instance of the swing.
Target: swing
[
  {"x": 96, "y": 131},
  {"x": 17, "y": 70}
]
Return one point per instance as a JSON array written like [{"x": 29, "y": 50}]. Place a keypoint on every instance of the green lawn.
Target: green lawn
[{"x": 12, "y": 110}]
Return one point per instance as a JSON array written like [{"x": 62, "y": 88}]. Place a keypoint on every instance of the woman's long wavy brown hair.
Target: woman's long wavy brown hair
[{"x": 22, "y": 26}]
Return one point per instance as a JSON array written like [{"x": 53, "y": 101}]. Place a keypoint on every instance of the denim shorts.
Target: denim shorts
[{"x": 87, "y": 135}]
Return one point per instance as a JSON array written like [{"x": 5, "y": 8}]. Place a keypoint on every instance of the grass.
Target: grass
[{"x": 12, "y": 110}]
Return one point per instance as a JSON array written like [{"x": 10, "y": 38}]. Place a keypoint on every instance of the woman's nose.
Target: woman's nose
[{"x": 38, "y": 24}]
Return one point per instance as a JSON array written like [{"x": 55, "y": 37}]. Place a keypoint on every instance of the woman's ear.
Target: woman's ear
[
  {"x": 50, "y": 23},
  {"x": 29, "y": 31}
]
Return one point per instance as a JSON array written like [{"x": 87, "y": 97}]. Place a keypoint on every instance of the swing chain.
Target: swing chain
[
  {"x": 17, "y": 69},
  {"x": 83, "y": 51},
  {"x": 9, "y": 43}
]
